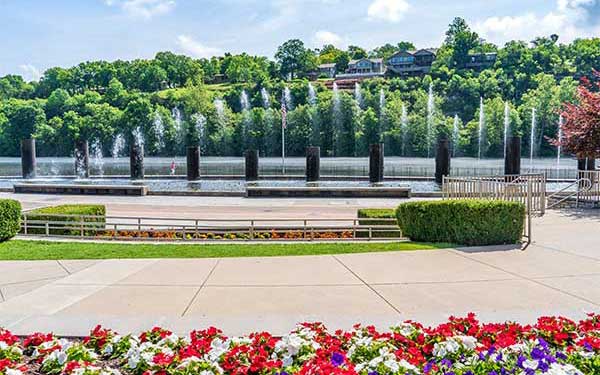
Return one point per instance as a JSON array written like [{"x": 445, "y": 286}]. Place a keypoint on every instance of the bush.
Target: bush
[
  {"x": 463, "y": 222},
  {"x": 46, "y": 214},
  {"x": 10, "y": 218},
  {"x": 370, "y": 216}
]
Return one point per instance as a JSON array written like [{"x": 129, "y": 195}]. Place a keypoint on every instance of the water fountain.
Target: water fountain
[
  {"x": 136, "y": 155},
  {"x": 337, "y": 120},
  {"x": 266, "y": 98},
  {"x": 455, "y": 135},
  {"x": 287, "y": 94},
  {"x": 118, "y": 146},
  {"x": 82, "y": 159},
  {"x": 559, "y": 147},
  {"x": 159, "y": 131},
  {"x": 532, "y": 139},
  {"x": 481, "y": 129},
  {"x": 312, "y": 94},
  {"x": 246, "y": 117},
  {"x": 220, "y": 109},
  {"x": 430, "y": 114},
  {"x": 381, "y": 114},
  {"x": 506, "y": 126},
  {"x": 358, "y": 95},
  {"x": 404, "y": 128},
  {"x": 98, "y": 157},
  {"x": 199, "y": 121}
]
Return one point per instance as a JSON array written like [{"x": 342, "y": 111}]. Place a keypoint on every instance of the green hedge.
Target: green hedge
[
  {"x": 10, "y": 218},
  {"x": 45, "y": 214},
  {"x": 463, "y": 222},
  {"x": 370, "y": 216}
]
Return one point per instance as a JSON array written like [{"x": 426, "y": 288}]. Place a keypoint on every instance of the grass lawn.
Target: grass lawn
[{"x": 42, "y": 250}]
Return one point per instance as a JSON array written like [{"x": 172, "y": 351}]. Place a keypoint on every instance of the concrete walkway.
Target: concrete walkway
[{"x": 558, "y": 274}]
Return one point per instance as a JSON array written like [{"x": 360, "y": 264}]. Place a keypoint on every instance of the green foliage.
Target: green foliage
[
  {"x": 10, "y": 218},
  {"x": 464, "y": 222},
  {"x": 74, "y": 214}
]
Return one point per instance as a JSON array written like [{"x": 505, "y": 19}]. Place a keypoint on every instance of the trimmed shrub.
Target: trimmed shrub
[
  {"x": 463, "y": 222},
  {"x": 370, "y": 216},
  {"x": 46, "y": 214},
  {"x": 10, "y": 218}
]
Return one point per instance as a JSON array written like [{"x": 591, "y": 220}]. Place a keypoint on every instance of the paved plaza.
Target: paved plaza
[{"x": 558, "y": 274}]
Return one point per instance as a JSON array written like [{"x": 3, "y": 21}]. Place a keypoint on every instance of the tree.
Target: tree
[
  {"x": 245, "y": 68},
  {"x": 294, "y": 59},
  {"x": 581, "y": 123},
  {"x": 460, "y": 40},
  {"x": 57, "y": 103},
  {"x": 356, "y": 53},
  {"x": 23, "y": 118},
  {"x": 342, "y": 61}
]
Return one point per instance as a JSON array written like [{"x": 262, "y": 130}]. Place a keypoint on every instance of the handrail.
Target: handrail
[{"x": 587, "y": 186}]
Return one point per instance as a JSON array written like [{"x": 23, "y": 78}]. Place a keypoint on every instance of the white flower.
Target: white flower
[
  {"x": 556, "y": 369},
  {"x": 287, "y": 360},
  {"x": 392, "y": 365},
  {"x": 530, "y": 364},
  {"x": 10, "y": 371},
  {"x": 108, "y": 350}
]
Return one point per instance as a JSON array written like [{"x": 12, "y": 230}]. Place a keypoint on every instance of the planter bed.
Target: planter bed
[{"x": 460, "y": 346}]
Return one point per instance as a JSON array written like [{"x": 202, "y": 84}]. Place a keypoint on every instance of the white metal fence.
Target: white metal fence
[{"x": 203, "y": 229}]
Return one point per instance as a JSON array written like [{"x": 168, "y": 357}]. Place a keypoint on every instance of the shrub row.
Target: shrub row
[
  {"x": 10, "y": 218},
  {"x": 463, "y": 222},
  {"x": 47, "y": 214}
]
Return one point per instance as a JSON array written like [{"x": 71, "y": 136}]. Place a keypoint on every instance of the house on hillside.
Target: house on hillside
[
  {"x": 326, "y": 70},
  {"x": 481, "y": 61},
  {"x": 365, "y": 66},
  {"x": 411, "y": 63}
]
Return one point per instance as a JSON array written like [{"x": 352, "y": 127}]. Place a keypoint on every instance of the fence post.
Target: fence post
[
  {"x": 47, "y": 228},
  {"x": 251, "y": 229},
  {"x": 25, "y": 224},
  {"x": 304, "y": 229},
  {"x": 139, "y": 222},
  {"x": 81, "y": 226}
]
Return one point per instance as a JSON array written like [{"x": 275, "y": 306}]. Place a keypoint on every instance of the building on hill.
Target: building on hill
[
  {"x": 364, "y": 68},
  {"x": 411, "y": 63},
  {"x": 326, "y": 70},
  {"x": 481, "y": 61}
]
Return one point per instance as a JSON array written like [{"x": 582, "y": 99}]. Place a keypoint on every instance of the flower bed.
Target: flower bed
[
  {"x": 271, "y": 235},
  {"x": 461, "y": 346}
]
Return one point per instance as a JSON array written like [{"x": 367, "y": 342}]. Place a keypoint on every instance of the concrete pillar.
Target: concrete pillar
[
  {"x": 512, "y": 161},
  {"x": 586, "y": 164},
  {"x": 442, "y": 159},
  {"x": 376, "y": 160},
  {"x": 313, "y": 163},
  {"x": 82, "y": 159},
  {"x": 251, "y": 165},
  {"x": 193, "y": 163},
  {"x": 136, "y": 161},
  {"x": 28, "y": 162}
]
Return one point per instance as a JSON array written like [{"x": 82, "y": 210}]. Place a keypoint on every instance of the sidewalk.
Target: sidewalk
[{"x": 559, "y": 274}]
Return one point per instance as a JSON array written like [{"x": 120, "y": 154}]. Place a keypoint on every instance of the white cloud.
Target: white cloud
[
  {"x": 285, "y": 12},
  {"x": 195, "y": 48},
  {"x": 145, "y": 9},
  {"x": 569, "y": 20},
  {"x": 388, "y": 10},
  {"x": 31, "y": 73},
  {"x": 323, "y": 37}
]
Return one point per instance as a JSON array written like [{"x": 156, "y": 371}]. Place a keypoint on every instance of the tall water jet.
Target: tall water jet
[
  {"x": 532, "y": 138},
  {"x": 312, "y": 94},
  {"x": 200, "y": 125},
  {"x": 159, "y": 132},
  {"x": 381, "y": 114},
  {"x": 404, "y": 128},
  {"x": 246, "y": 117},
  {"x": 82, "y": 159},
  {"x": 118, "y": 146},
  {"x": 559, "y": 147},
  {"x": 481, "y": 129},
  {"x": 337, "y": 120},
  {"x": 358, "y": 95},
  {"x": 287, "y": 95},
  {"x": 455, "y": 134},
  {"x": 98, "y": 158},
  {"x": 506, "y": 125},
  {"x": 220, "y": 109},
  {"x": 179, "y": 129},
  {"x": 430, "y": 114},
  {"x": 266, "y": 98}
]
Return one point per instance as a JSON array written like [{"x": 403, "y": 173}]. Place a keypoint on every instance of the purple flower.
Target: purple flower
[
  {"x": 537, "y": 354},
  {"x": 428, "y": 366},
  {"x": 337, "y": 359},
  {"x": 561, "y": 355},
  {"x": 499, "y": 357},
  {"x": 492, "y": 373},
  {"x": 588, "y": 347},
  {"x": 373, "y": 373},
  {"x": 446, "y": 362}
]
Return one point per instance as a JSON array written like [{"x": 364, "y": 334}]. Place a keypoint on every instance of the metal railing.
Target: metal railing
[
  {"x": 591, "y": 193},
  {"x": 529, "y": 189},
  {"x": 205, "y": 229}
]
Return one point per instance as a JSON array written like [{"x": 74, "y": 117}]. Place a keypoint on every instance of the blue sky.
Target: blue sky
[{"x": 38, "y": 34}]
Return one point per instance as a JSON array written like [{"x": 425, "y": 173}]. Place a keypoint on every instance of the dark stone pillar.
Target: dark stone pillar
[
  {"x": 313, "y": 164},
  {"x": 512, "y": 161},
  {"x": 442, "y": 159},
  {"x": 251, "y": 165},
  {"x": 376, "y": 162},
  {"x": 193, "y": 163},
  {"x": 586, "y": 164},
  {"x": 136, "y": 161},
  {"x": 28, "y": 161},
  {"x": 82, "y": 159}
]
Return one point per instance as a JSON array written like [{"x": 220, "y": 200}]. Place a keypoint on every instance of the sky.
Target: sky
[{"x": 38, "y": 34}]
